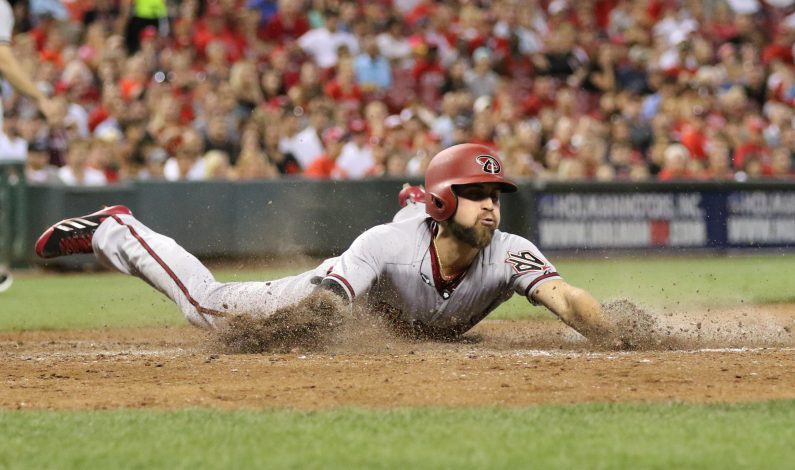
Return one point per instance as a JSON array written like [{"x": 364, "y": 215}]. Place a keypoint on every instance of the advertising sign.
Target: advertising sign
[{"x": 676, "y": 219}]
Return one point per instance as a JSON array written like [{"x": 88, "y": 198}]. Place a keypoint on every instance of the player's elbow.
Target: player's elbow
[{"x": 334, "y": 287}]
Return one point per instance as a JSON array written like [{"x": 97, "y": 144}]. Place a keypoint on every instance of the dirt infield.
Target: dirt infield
[{"x": 720, "y": 356}]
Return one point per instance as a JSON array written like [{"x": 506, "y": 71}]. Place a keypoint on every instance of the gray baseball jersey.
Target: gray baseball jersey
[
  {"x": 396, "y": 268},
  {"x": 6, "y": 22},
  {"x": 6, "y": 30},
  {"x": 391, "y": 267}
]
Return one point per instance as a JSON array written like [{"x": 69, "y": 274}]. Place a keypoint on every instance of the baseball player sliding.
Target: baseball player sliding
[{"x": 439, "y": 268}]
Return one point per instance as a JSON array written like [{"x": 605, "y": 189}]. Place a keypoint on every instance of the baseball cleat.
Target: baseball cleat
[
  {"x": 5, "y": 281},
  {"x": 415, "y": 194},
  {"x": 74, "y": 235}
]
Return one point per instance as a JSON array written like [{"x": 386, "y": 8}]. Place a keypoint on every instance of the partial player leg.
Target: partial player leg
[
  {"x": 121, "y": 241},
  {"x": 5, "y": 279}
]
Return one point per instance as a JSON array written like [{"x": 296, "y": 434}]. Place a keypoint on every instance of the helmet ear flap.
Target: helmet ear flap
[{"x": 441, "y": 206}]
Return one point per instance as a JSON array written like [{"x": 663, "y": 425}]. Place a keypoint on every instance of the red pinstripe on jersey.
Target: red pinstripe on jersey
[{"x": 199, "y": 308}]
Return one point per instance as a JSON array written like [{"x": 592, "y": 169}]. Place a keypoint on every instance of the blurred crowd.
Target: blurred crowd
[{"x": 602, "y": 90}]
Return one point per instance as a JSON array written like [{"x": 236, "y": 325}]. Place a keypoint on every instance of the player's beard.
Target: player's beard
[{"x": 478, "y": 236}]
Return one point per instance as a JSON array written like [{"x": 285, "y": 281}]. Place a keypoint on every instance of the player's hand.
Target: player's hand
[
  {"x": 49, "y": 109},
  {"x": 623, "y": 344}
]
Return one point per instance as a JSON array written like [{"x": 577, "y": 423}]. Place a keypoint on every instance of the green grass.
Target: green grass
[
  {"x": 577, "y": 436},
  {"x": 52, "y": 301},
  {"x": 681, "y": 282},
  {"x": 591, "y": 436}
]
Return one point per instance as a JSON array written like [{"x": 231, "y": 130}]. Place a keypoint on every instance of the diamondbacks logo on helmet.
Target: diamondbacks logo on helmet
[{"x": 490, "y": 164}]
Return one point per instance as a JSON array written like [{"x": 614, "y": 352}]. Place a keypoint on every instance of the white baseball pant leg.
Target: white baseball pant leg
[{"x": 125, "y": 244}]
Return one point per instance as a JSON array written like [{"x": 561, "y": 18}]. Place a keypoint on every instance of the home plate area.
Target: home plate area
[{"x": 737, "y": 355}]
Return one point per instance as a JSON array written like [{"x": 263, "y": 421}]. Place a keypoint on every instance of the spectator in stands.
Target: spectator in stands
[
  {"x": 38, "y": 169},
  {"x": 252, "y": 165},
  {"x": 286, "y": 25},
  {"x": 105, "y": 154},
  {"x": 154, "y": 160},
  {"x": 245, "y": 86},
  {"x": 689, "y": 73},
  {"x": 252, "y": 162},
  {"x": 55, "y": 135},
  {"x": 356, "y": 157},
  {"x": 13, "y": 147},
  {"x": 344, "y": 90},
  {"x": 373, "y": 72},
  {"x": 137, "y": 16},
  {"x": 563, "y": 59},
  {"x": 284, "y": 162},
  {"x": 394, "y": 44},
  {"x": 187, "y": 163},
  {"x": 481, "y": 80},
  {"x": 325, "y": 165},
  {"x": 218, "y": 137},
  {"x": 273, "y": 88},
  {"x": 323, "y": 44},
  {"x": 374, "y": 114},
  {"x": 781, "y": 164},
  {"x": 718, "y": 160},
  {"x": 77, "y": 171},
  {"x": 675, "y": 163},
  {"x": 753, "y": 144},
  {"x": 217, "y": 29},
  {"x": 308, "y": 88},
  {"x": 304, "y": 144},
  {"x": 264, "y": 9},
  {"x": 428, "y": 74},
  {"x": 216, "y": 166}
]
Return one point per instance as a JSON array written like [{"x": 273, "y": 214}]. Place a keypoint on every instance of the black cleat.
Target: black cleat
[{"x": 74, "y": 235}]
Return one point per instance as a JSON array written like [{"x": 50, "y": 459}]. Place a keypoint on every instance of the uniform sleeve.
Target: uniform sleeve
[
  {"x": 359, "y": 267},
  {"x": 526, "y": 267},
  {"x": 6, "y": 22}
]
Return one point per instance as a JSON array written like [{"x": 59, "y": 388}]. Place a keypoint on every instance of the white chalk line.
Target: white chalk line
[
  {"x": 614, "y": 354},
  {"x": 99, "y": 355}
]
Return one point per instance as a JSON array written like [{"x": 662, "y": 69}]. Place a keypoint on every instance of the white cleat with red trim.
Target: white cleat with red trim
[{"x": 74, "y": 235}]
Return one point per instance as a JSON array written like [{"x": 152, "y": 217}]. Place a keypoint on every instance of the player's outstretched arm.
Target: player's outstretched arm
[
  {"x": 577, "y": 308},
  {"x": 11, "y": 69}
]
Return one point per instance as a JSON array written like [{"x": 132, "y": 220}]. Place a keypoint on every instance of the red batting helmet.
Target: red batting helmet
[{"x": 458, "y": 165}]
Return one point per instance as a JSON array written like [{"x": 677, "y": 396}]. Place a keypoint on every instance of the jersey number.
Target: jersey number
[{"x": 524, "y": 262}]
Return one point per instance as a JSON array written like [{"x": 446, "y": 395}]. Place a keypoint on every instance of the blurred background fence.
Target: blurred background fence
[
  {"x": 283, "y": 217},
  {"x": 13, "y": 213}
]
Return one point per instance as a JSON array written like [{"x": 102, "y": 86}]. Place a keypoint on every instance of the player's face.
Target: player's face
[{"x": 478, "y": 213}]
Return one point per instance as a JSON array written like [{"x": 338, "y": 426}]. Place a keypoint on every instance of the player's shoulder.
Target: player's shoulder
[
  {"x": 504, "y": 245},
  {"x": 409, "y": 226},
  {"x": 397, "y": 237},
  {"x": 504, "y": 240},
  {"x": 517, "y": 255}
]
